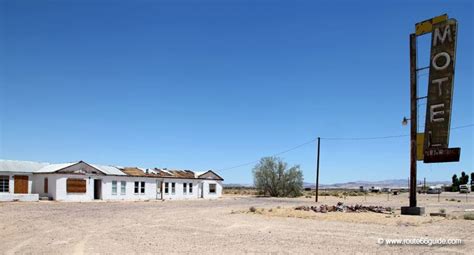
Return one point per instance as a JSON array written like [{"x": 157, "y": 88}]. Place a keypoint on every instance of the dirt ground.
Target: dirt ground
[{"x": 226, "y": 226}]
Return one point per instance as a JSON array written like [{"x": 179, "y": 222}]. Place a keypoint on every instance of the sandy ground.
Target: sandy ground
[{"x": 226, "y": 226}]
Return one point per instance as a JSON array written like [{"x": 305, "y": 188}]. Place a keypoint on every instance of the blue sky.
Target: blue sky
[{"x": 213, "y": 84}]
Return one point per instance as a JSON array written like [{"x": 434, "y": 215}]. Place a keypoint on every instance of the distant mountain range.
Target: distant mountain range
[{"x": 394, "y": 183}]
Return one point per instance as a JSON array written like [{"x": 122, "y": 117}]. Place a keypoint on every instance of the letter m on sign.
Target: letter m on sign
[{"x": 440, "y": 84}]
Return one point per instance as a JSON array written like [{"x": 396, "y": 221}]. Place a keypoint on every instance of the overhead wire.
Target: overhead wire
[{"x": 334, "y": 139}]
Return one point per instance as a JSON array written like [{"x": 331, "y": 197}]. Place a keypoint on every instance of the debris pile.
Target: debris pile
[{"x": 340, "y": 207}]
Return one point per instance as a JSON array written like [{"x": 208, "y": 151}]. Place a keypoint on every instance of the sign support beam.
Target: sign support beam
[
  {"x": 413, "y": 209},
  {"x": 413, "y": 118}
]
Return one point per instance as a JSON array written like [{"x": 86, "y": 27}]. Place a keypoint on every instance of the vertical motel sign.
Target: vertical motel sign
[{"x": 440, "y": 94}]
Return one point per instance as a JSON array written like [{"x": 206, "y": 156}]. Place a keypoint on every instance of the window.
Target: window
[
  {"x": 123, "y": 187},
  {"x": 4, "y": 183},
  {"x": 137, "y": 187},
  {"x": 167, "y": 190},
  {"x": 142, "y": 190},
  {"x": 173, "y": 188},
  {"x": 114, "y": 187},
  {"x": 212, "y": 188},
  {"x": 190, "y": 188},
  {"x": 45, "y": 185},
  {"x": 76, "y": 186},
  {"x": 184, "y": 188}
]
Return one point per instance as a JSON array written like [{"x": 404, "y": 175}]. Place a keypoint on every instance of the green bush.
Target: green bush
[
  {"x": 273, "y": 177},
  {"x": 469, "y": 216}
]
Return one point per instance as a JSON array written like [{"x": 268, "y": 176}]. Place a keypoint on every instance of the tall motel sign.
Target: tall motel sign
[{"x": 432, "y": 146}]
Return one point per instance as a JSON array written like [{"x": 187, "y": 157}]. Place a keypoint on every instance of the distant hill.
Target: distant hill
[{"x": 394, "y": 183}]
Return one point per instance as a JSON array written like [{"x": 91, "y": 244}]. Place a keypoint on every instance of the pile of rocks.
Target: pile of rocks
[{"x": 340, "y": 207}]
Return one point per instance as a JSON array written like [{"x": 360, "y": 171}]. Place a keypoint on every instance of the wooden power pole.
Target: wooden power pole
[{"x": 317, "y": 170}]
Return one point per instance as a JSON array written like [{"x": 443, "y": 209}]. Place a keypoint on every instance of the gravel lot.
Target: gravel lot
[{"x": 225, "y": 226}]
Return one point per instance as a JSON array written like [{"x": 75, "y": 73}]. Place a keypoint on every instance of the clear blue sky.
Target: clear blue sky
[{"x": 213, "y": 84}]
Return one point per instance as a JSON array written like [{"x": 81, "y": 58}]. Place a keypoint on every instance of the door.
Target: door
[
  {"x": 45, "y": 185},
  {"x": 202, "y": 190},
  {"x": 159, "y": 190},
  {"x": 97, "y": 189},
  {"x": 21, "y": 184}
]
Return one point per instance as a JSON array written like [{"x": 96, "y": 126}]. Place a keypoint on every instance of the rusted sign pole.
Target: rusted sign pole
[
  {"x": 413, "y": 209},
  {"x": 317, "y": 170}
]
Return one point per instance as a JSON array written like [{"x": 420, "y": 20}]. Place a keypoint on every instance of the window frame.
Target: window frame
[
  {"x": 142, "y": 187},
  {"x": 215, "y": 188},
  {"x": 167, "y": 188},
  {"x": 123, "y": 187},
  {"x": 185, "y": 188},
  {"x": 136, "y": 188},
  {"x": 72, "y": 180},
  {"x": 114, "y": 188},
  {"x": 190, "y": 187},
  {"x": 173, "y": 188},
  {"x": 4, "y": 183}
]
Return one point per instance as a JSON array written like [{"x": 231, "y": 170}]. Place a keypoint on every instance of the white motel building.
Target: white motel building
[{"x": 81, "y": 181}]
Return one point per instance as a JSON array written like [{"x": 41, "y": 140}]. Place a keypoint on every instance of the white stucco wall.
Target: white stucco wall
[
  {"x": 150, "y": 188},
  {"x": 57, "y": 188},
  {"x": 179, "y": 193},
  {"x": 12, "y": 180},
  {"x": 217, "y": 194},
  {"x": 61, "y": 193},
  {"x": 10, "y": 195},
  {"x": 38, "y": 185}
]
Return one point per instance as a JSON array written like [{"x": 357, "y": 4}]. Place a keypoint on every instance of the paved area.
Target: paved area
[{"x": 225, "y": 226}]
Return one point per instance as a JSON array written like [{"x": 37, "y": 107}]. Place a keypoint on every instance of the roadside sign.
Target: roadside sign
[
  {"x": 440, "y": 87},
  {"x": 439, "y": 155},
  {"x": 426, "y": 26}
]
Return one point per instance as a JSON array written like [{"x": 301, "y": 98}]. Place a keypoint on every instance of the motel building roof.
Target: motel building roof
[{"x": 16, "y": 166}]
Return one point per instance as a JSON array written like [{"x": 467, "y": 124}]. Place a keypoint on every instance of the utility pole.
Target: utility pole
[{"x": 317, "y": 170}]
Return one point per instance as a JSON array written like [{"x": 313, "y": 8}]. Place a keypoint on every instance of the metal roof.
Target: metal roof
[
  {"x": 54, "y": 167},
  {"x": 43, "y": 167},
  {"x": 108, "y": 170},
  {"x": 20, "y": 166}
]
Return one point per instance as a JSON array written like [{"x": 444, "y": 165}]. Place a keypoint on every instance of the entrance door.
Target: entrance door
[
  {"x": 21, "y": 184},
  {"x": 97, "y": 189},
  {"x": 159, "y": 191},
  {"x": 202, "y": 190}
]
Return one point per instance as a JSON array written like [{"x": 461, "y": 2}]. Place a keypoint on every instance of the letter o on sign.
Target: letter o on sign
[{"x": 446, "y": 63}]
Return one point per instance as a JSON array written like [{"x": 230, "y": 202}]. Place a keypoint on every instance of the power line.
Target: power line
[
  {"x": 331, "y": 138},
  {"x": 465, "y": 126},
  {"x": 274, "y": 155},
  {"x": 363, "y": 138}
]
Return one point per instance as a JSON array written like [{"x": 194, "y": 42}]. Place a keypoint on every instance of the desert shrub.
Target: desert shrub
[
  {"x": 469, "y": 216},
  {"x": 442, "y": 210},
  {"x": 252, "y": 209},
  {"x": 273, "y": 177}
]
